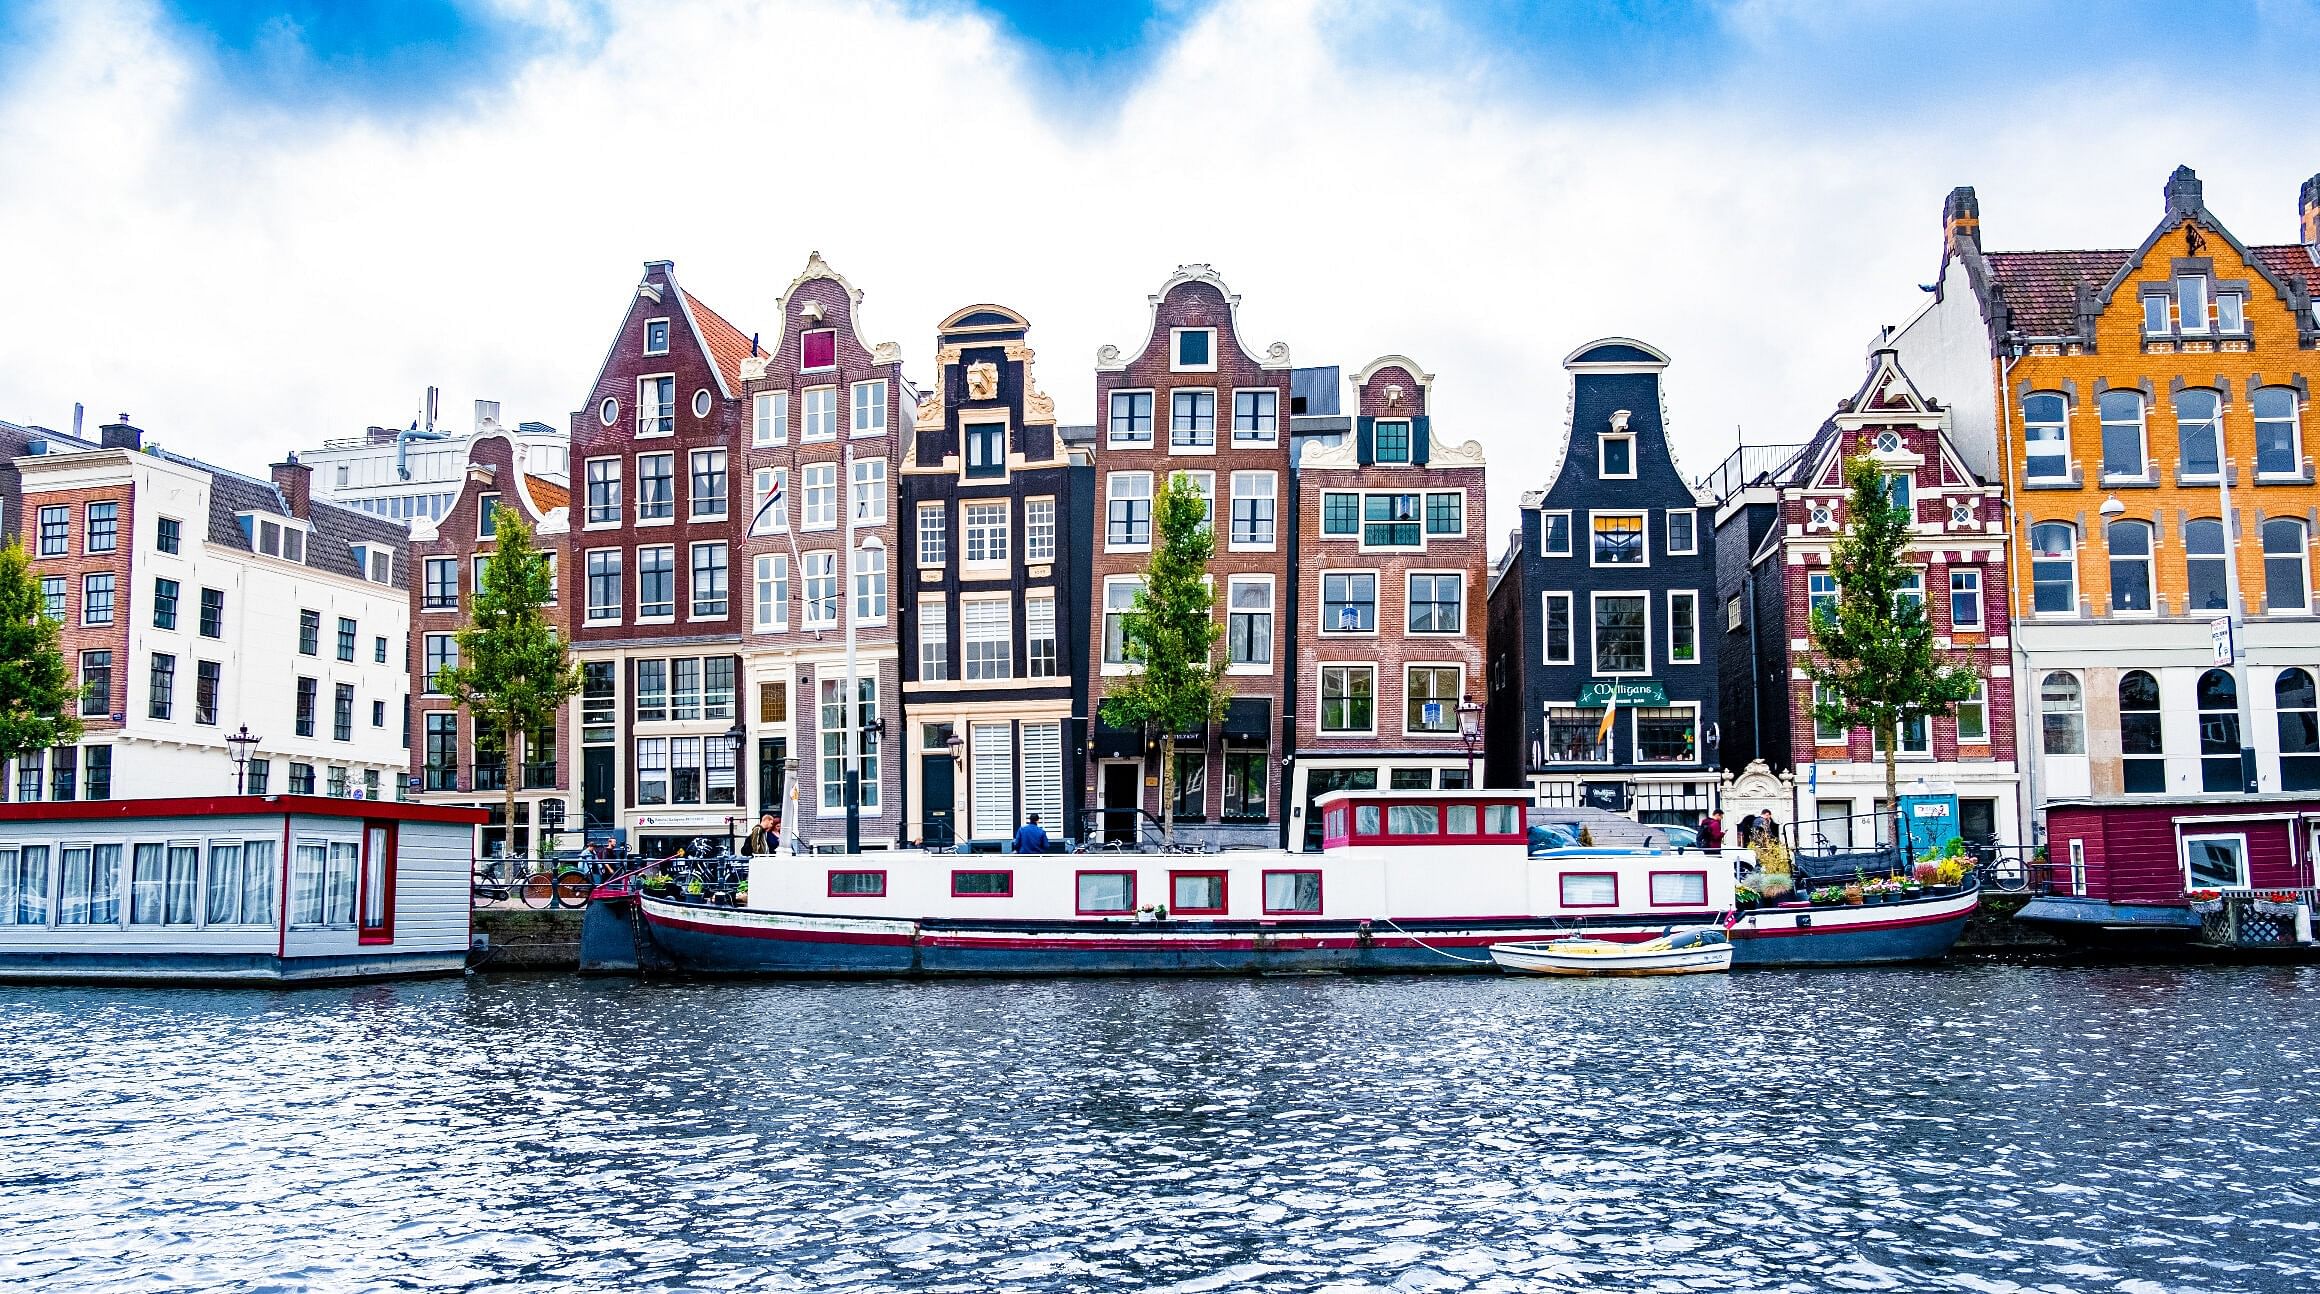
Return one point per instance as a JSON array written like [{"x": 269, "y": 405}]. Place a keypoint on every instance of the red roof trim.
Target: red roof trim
[{"x": 223, "y": 806}]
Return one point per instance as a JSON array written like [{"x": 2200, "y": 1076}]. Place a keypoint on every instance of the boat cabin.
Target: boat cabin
[
  {"x": 1421, "y": 818},
  {"x": 2224, "y": 868}
]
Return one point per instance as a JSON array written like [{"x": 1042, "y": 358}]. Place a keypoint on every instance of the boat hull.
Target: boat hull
[
  {"x": 1548, "y": 959},
  {"x": 1916, "y": 930}
]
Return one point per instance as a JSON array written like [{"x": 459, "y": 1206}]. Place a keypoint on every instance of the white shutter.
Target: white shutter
[
  {"x": 1043, "y": 775},
  {"x": 992, "y": 748}
]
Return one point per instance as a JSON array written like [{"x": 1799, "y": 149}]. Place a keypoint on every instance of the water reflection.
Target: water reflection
[{"x": 1979, "y": 1128}]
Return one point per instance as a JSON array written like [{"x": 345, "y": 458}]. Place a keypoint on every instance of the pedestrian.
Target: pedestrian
[
  {"x": 1770, "y": 826},
  {"x": 1712, "y": 833},
  {"x": 1747, "y": 836},
  {"x": 766, "y": 838},
  {"x": 1031, "y": 838}
]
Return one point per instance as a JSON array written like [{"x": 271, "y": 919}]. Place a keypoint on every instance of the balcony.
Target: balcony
[
  {"x": 491, "y": 775},
  {"x": 440, "y": 777}
]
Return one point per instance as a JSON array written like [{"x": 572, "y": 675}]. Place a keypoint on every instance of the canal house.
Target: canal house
[
  {"x": 1602, "y": 686},
  {"x": 249, "y": 888}
]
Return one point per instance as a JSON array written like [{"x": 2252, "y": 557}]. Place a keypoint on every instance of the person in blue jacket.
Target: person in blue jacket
[{"x": 1031, "y": 838}]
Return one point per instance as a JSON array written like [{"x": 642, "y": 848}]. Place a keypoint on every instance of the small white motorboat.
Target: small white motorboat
[{"x": 1691, "y": 951}]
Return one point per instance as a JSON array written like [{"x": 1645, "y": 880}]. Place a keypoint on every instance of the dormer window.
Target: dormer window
[
  {"x": 818, "y": 349},
  {"x": 1192, "y": 350},
  {"x": 1616, "y": 456},
  {"x": 656, "y": 336},
  {"x": 1393, "y": 442},
  {"x": 273, "y": 537}
]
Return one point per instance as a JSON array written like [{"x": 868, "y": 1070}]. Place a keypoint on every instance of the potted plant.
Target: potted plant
[
  {"x": 741, "y": 895},
  {"x": 1746, "y": 899},
  {"x": 1777, "y": 887},
  {"x": 693, "y": 889},
  {"x": 2206, "y": 902}
]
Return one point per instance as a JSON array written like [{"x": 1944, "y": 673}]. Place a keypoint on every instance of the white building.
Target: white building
[{"x": 415, "y": 474}]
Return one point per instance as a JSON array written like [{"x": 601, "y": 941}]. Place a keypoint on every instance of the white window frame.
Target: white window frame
[
  {"x": 2240, "y": 846},
  {"x": 723, "y": 465},
  {"x": 969, "y": 468},
  {"x": 1981, "y": 699},
  {"x": 769, "y": 418},
  {"x": 1668, "y": 531},
  {"x": 817, "y": 407},
  {"x": 1545, "y": 529},
  {"x": 830, "y": 491},
  {"x": 2303, "y": 556},
  {"x": 1176, "y": 363},
  {"x": 641, "y": 417},
  {"x": 1823, "y": 735},
  {"x": 671, "y": 518},
  {"x": 880, "y": 595},
  {"x": 866, "y": 494},
  {"x": 1113, "y": 494},
  {"x": 1192, "y": 447},
  {"x": 692, "y": 599},
  {"x": 1981, "y": 608},
  {"x": 932, "y": 541},
  {"x": 2062, "y": 441},
  {"x": 1204, "y": 485},
  {"x": 764, "y": 483},
  {"x": 588, "y": 467},
  {"x": 1320, "y": 674},
  {"x": 866, "y": 397},
  {"x": 1634, "y": 715},
  {"x": 588, "y": 607},
  {"x": 1594, "y": 649},
  {"x": 1642, "y": 521},
  {"x": 2191, "y": 320},
  {"x": 1692, "y": 597},
  {"x": 832, "y": 334},
  {"x": 1409, "y": 602},
  {"x": 1321, "y": 602},
  {"x": 1269, "y": 493},
  {"x": 2103, "y": 425},
  {"x": 934, "y": 639},
  {"x": 769, "y": 592},
  {"x": 1039, "y": 534},
  {"x": 999, "y": 557},
  {"x": 666, "y": 331},
  {"x": 665, "y": 617},
  {"x": 1232, "y": 610},
  {"x": 1256, "y": 437},
  {"x": 1457, "y": 695},
  {"x": 1039, "y": 614},
  {"x": 809, "y": 601},
  {"x": 982, "y": 614},
  {"x": 1104, "y": 614},
  {"x": 1570, "y": 628},
  {"x": 1113, "y": 439},
  {"x": 1603, "y": 441}
]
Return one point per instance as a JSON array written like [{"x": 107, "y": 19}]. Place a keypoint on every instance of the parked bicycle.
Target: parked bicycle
[{"x": 563, "y": 883}]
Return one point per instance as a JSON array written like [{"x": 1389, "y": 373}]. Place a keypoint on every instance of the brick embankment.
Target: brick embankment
[
  {"x": 1993, "y": 932},
  {"x": 527, "y": 939}
]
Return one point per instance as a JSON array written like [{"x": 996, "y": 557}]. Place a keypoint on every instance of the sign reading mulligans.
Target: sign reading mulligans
[{"x": 1642, "y": 691}]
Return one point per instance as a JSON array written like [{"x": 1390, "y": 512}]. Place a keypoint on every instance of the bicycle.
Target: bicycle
[{"x": 566, "y": 886}]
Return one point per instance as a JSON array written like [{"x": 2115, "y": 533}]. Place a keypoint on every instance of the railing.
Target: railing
[
  {"x": 540, "y": 776},
  {"x": 1746, "y": 466},
  {"x": 440, "y": 777}
]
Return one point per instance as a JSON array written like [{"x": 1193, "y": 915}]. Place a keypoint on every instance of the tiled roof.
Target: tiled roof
[
  {"x": 2289, "y": 262},
  {"x": 727, "y": 346},
  {"x": 549, "y": 495},
  {"x": 2041, "y": 287},
  {"x": 334, "y": 529}
]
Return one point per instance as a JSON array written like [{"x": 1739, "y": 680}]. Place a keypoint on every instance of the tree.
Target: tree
[
  {"x": 37, "y": 694},
  {"x": 515, "y": 672},
  {"x": 1874, "y": 661},
  {"x": 1171, "y": 635}
]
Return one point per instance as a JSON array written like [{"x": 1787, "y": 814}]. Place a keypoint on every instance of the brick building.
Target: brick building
[
  {"x": 1387, "y": 599},
  {"x": 1192, "y": 399}
]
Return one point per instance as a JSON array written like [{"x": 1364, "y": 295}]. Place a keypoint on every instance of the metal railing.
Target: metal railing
[{"x": 1748, "y": 465}]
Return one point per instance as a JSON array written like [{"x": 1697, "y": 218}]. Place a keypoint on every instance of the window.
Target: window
[
  {"x": 342, "y": 713},
  {"x": 1554, "y": 534},
  {"x": 1916, "y": 739},
  {"x": 1391, "y": 441},
  {"x": 486, "y": 516},
  {"x": 652, "y": 690},
  {"x": 819, "y": 410},
  {"x": 870, "y": 582},
  {"x": 1973, "y": 715},
  {"x": 709, "y": 577},
  {"x": 1590, "y": 889},
  {"x": 867, "y": 405},
  {"x": 1556, "y": 629},
  {"x": 1120, "y": 593},
  {"x": 164, "y": 602},
  {"x": 104, "y": 530},
  {"x": 1437, "y": 604},
  {"x": 769, "y": 418},
  {"x": 378, "y": 714},
  {"x": 2298, "y": 707},
  {"x": 1618, "y": 538},
  {"x": 604, "y": 595},
  {"x": 442, "y": 653},
  {"x": 857, "y": 885},
  {"x": 166, "y": 535},
  {"x": 1131, "y": 420},
  {"x": 1100, "y": 893},
  {"x": 1348, "y": 694},
  {"x": 442, "y": 584},
  {"x": 55, "y": 531},
  {"x": 379, "y": 650},
  {"x": 1615, "y": 454},
  {"x": 2191, "y": 303},
  {"x": 934, "y": 641},
  {"x": 2046, "y": 437},
  {"x": 309, "y": 633},
  {"x": 1390, "y": 521},
  {"x": 1430, "y": 698},
  {"x": 1292, "y": 893},
  {"x": 2203, "y": 565},
  {"x": 933, "y": 539},
  {"x": 769, "y": 501},
  {"x": 818, "y": 349},
  {"x": 821, "y": 501},
  {"x": 2130, "y": 545},
  {"x": 30, "y": 770},
  {"x": 833, "y": 737},
  {"x": 1256, "y": 417},
  {"x": 1684, "y": 628},
  {"x": 97, "y": 598},
  {"x": 1192, "y": 420},
  {"x": 685, "y": 688},
  {"x": 2230, "y": 314},
  {"x": 308, "y": 691},
  {"x": 986, "y": 534},
  {"x": 656, "y": 406},
  {"x": 1965, "y": 598},
  {"x": 1192, "y": 349},
  {"x": 1340, "y": 513},
  {"x": 1196, "y": 893},
  {"x": 1128, "y": 510},
  {"x": 656, "y": 581},
  {"x": 2279, "y": 444},
  {"x": 1349, "y": 602},
  {"x": 2219, "y": 763},
  {"x": 2287, "y": 586},
  {"x": 2054, "y": 569},
  {"x": 2122, "y": 435},
  {"x": 821, "y": 588},
  {"x": 2198, "y": 416},
  {"x": 347, "y": 634},
  {"x": 656, "y": 497},
  {"x": 652, "y": 770},
  {"x": 1249, "y": 620},
  {"x": 656, "y": 336},
  {"x": 986, "y": 448},
  {"x": 772, "y": 591},
  {"x": 1253, "y": 508},
  {"x": 2155, "y": 320},
  {"x": 161, "y": 696},
  {"x": 1039, "y": 531},
  {"x": 52, "y": 597},
  {"x": 2142, "y": 747},
  {"x": 1682, "y": 532},
  {"x": 987, "y": 632},
  {"x": 709, "y": 483},
  {"x": 1667, "y": 735},
  {"x": 60, "y": 784},
  {"x": 1824, "y": 732},
  {"x": 301, "y": 778},
  {"x": 870, "y": 491},
  {"x": 1039, "y": 630},
  {"x": 1899, "y": 492},
  {"x": 1622, "y": 633},
  {"x": 1679, "y": 889},
  {"x": 1446, "y": 513},
  {"x": 2062, "y": 714},
  {"x": 2215, "y": 862}
]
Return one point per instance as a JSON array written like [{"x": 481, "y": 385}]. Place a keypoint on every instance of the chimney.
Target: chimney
[
  {"x": 296, "y": 482},
  {"x": 2185, "y": 197},
  {"x": 2308, "y": 214},
  {"x": 487, "y": 415},
  {"x": 1961, "y": 219},
  {"x": 120, "y": 435}
]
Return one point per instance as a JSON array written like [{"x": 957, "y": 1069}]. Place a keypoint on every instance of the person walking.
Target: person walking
[
  {"x": 1712, "y": 833},
  {"x": 1031, "y": 838},
  {"x": 766, "y": 838}
]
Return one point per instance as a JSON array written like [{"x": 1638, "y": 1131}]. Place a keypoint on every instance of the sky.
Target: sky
[{"x": 255, "y": 225}]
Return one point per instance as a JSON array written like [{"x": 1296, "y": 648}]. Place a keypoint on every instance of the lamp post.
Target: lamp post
[
  {"x": 1470, "y": 731},
  {"x": 734, "y": 738},
  {"x": 239, "y": 745},
  {"x": 2235, "y": 612}
]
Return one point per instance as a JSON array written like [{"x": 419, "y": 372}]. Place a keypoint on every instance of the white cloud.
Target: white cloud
[{"x": 245, "y": 282}]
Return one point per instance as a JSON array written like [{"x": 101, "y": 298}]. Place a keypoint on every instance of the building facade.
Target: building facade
[
  {"x": 1603, "y": 688},
  {"x": 453, "y": 761},
  {"x": 1386, "y": 597},
  {"x": 196, "y": 603},
  {"x": 416, "y": 474},
  {"x": 2128, "y": 392}
]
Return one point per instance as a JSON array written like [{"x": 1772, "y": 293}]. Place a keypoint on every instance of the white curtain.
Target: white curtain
[
  {"x": 225, "y": 879},
  {"x": 146, "y": 878},
  {"x": 258, "y": 874}
]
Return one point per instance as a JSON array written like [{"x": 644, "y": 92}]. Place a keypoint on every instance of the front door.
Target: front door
[
  {"x": 596, "y": 787},
  {"x": 937, "y": 793},
  {"x": 772, "y": 764},
  {"x": 1123, "y": 789}
]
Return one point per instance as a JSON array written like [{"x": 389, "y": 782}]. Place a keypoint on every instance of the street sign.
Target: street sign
[
  {"x": 1642, "y": 691},
  {"x": 1431, "y": 713},
  {"x": 2219, "y": 632}
]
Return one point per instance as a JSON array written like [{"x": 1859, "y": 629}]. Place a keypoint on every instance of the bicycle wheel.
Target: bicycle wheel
[
  {"x": 573, "y": 889},
  {"x": 537, "y": 889}
]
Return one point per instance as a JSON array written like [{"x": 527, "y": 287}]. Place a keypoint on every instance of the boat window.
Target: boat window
[
  {"x": 2215, "y": 862},
  {"x": 982, "y": 885},
  {"x": 1365, "y": 820},
  {"x": 1101, "y": 892},
  {"x": 1195, "y": 892},
  {"x": 1334, "y": 825},
  {"x": 1502, "y": 819},
  {"x": 1590, "y": 889},
  {"x": 1414, "y": 820},
  {"x": 1462, "y": 819},
  {"x": 1679, "y": 889},
  {"x": 857, "y": 885},
  {"x": 1293, "y": 892}
]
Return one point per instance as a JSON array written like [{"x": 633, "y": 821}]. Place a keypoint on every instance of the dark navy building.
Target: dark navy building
[{"x": 1597, "y": 608}]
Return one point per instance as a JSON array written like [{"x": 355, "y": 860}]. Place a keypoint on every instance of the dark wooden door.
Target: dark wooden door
[
  {"x": 596, "y": 787},
  {"x": 1123, "y": 790},
  {"x": 938, "y": 788}
]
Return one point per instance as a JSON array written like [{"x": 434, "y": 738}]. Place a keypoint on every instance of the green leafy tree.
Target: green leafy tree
[
  {"x": 37, "y": 692},
  {"x": 515, "y": 672},
  {"x": 1171, "y": 634},
  {"x": 1873, "y": 653}
]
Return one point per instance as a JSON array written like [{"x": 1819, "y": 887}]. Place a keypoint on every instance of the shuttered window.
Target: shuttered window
[
  {"x": 1043, "y": 774},
  {"x": 992, "y": 747}
]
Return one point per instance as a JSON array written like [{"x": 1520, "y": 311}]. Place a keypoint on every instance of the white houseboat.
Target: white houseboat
[{"x": 247, "y": 888}]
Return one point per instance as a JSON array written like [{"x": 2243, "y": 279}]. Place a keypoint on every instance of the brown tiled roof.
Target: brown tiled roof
[
  {"x": 727, "y": 346},
  {"x": 2042, "y": 287},
  {"x": 549, "y": 495},
  {"x": 2289, "y": 261}
]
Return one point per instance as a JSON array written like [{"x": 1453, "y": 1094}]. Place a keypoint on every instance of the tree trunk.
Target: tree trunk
[
  {"x": 515, "y": 755},
  {"x": 1893, "y": 783},
  {"x": 1167, "y": 789}
]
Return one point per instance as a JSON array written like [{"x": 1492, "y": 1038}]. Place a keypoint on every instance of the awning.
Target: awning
[
  {"x": 1107, "y": 742},
  {"x": 1249, "y": 719}
]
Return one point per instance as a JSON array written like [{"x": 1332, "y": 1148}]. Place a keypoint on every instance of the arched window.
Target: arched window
[
  {"x": 2279, "y": 442},
  {"x": 2122, "y": 436},
  {"x": 2130, "y": 545},
  {"x": 2203, "y": 564},
  {"x": 2142, "y": 750},
  {"x": 2198, "y": 415},
  {"x": 2054, "y": 569},
  {"x": 2219, "y": 733},
  {"x": 2045, "y": 436},
  {"x": 2298, "y": 704},
  {"x": 2062, "y": 714},
  {"x": 2287, "y": 585}
]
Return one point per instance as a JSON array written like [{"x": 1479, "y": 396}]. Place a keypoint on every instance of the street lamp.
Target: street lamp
[
  {"x": 239, "y": 745},
  {"x": 734, "y": 738},
  {"x": 2230, "y": 654},
  {"x": 1470, "y": 731}
]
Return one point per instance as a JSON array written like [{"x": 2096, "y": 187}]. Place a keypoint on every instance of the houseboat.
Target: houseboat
[
  {"x": 265, "y": 889},
  {"x": 1405, "y": 881},
  {"x": 2144, "y": 872}
]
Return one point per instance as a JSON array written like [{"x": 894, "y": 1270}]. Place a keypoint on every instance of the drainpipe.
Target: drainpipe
[{"x": 2029, "y": 738}]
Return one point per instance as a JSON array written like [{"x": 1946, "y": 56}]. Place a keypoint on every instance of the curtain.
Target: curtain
[
  {"x": 105, "y": 886},
  {"x": 258, "y": 874},
  {"x": 225, "y": 876},
  {"x": 306, "y": 863},
  {"x": 184, "y": 884},
  {"x": 145, "y": 884}
]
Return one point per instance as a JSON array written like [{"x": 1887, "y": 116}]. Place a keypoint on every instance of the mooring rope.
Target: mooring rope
[{"x": 1477, "y": 961}]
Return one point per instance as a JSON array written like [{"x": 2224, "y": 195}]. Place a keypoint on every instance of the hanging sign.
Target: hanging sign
[{"x": 1642, "y": 691}]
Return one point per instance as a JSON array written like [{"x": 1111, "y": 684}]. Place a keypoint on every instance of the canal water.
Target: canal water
[{"x": 1974, "y": 1128}]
